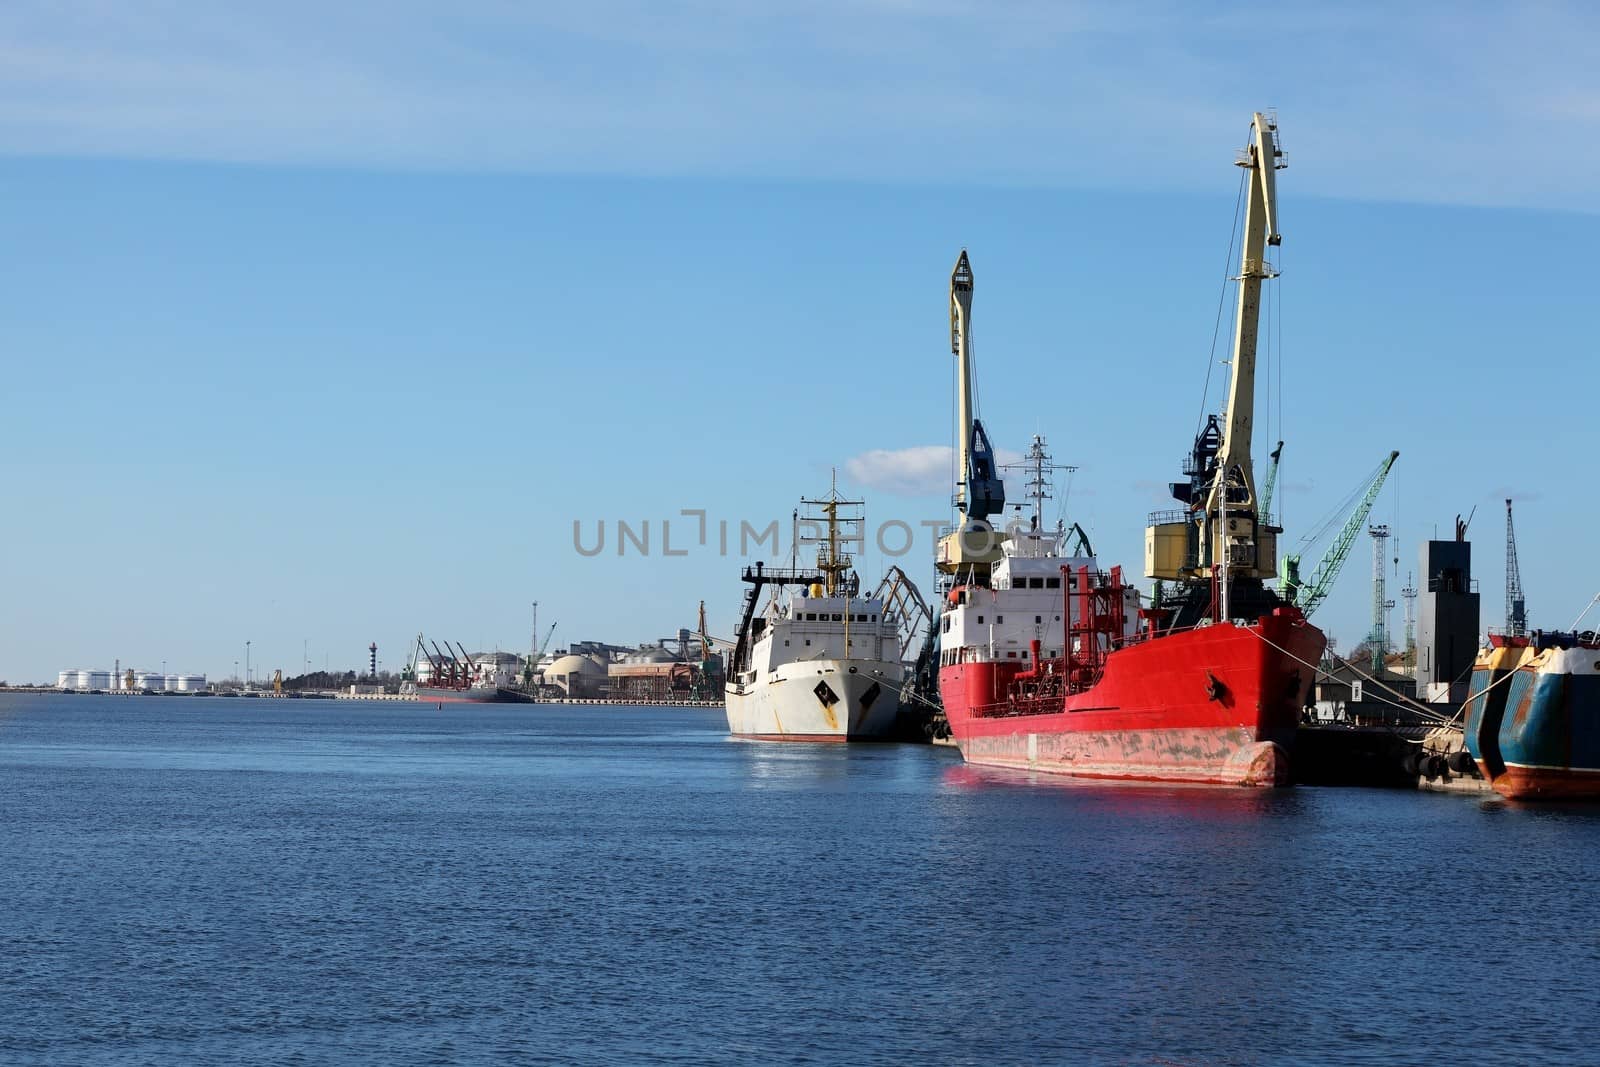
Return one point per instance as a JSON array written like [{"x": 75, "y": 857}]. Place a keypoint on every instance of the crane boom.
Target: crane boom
[
  {"x": 1262, "y": 158},
  {"x": 1311, "y": 594},
  {"x": 1272, "y": 482},
  {"x": 980, "y": 492}
]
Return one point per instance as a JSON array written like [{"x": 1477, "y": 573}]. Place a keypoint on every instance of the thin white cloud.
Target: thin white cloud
[
  {"x": 921, "y": 470},
  {"x": 1435, "y": 102}
]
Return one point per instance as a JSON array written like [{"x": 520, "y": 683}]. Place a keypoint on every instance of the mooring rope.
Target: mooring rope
[{"x": 1416, "y": 706}]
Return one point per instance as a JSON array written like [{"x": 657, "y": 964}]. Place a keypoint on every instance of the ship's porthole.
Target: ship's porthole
[{"x": 852, "y": 670}]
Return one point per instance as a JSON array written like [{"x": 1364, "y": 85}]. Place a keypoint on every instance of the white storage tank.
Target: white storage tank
[
  {"x": 82, "y": 680},
  {"x": 95, "y": 679},
  {"x": 67, "y": 680},
  {"x": 170, "y": 683},
  {"x": 149, "y": 681},
  {"x": 191, "y": 683}
]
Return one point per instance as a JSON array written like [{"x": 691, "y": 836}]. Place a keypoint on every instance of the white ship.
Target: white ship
[{"x": 817, "y": 661}]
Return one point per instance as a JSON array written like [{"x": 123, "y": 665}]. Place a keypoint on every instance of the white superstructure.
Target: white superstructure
[
  {"x": 1030, "y": 589},
  {"x": 818, "y": 662}
]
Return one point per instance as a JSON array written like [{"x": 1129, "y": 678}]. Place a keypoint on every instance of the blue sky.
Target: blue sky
[{"x": 325, "y": 327}]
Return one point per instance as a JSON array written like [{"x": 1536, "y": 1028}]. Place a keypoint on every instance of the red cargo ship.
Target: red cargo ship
[
  {"x": 1049, "y": 664},
  {"x": 1215, "y": 704}
]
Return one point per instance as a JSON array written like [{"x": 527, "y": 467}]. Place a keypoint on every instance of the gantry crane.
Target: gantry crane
[{"x": 1516, "y": 605}]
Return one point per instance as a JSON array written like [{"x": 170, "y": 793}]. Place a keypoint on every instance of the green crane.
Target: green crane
[
  {"x": 1310, "y": 595},
  {"x": 1272, "y": 482},
  {"x": 532, "y": 668}
]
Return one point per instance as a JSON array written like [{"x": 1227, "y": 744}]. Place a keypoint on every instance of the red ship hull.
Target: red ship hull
[{"x": 1216, "y": 705}]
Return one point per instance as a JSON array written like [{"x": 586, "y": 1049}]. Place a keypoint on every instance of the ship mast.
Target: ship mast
[
  {"x": 830, "y": 560},
  {"x": 1233, "y": 492},
  {"x": 1039, "y": 467}
]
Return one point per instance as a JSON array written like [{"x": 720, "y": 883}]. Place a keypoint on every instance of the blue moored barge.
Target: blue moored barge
[{"x": 1533, "y": 716}]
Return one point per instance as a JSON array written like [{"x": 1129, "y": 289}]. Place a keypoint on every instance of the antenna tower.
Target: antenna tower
[
  {"x": 1409, "y": 595},
  {"x": 1039, "y": 468}
]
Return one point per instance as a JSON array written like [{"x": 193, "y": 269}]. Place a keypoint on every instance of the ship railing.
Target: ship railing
[
  {"x": 784, "y": 575},
  {"x": 1163, "y": 518},
  {"x": 1030, "y": 706},
  {"x": 1437, "y": 584},
  {"x": 1542, "y": 639}
]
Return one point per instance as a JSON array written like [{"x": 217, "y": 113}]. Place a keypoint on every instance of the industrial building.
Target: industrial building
[
  {"x": 681, "y": 667},
  {"x": 1448, "y": 619},
  {"x": 651, "y": 673},
  {"x": 577, "y": 677}
]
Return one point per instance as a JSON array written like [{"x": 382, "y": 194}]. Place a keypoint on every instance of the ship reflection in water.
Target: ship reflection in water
[{"x": 1192, "y": 801}]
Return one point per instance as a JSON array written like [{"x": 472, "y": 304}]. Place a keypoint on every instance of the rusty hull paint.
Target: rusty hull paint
[
  {"x": 1547, "y": 783},
  {"x": 1199, "y": 756}
]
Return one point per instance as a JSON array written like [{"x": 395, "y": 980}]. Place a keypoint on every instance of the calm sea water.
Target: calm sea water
[{"x": 202, "y": 881}]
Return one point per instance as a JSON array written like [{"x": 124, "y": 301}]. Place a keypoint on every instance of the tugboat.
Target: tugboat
[
  {"x": 817, "y": 662},
  {"x": 1049, "y": 664}
]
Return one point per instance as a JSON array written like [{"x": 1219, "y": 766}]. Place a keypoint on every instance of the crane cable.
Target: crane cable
[
  {"x": 1410, "y": 704},
  {"x": 1341, "y": 510},
  {"x": 1222, "y": 296}
]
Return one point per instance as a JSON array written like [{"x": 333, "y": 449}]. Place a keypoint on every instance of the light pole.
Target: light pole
[
  {"x": 235, "y": 670},
  {"x": 247, "y": 664}
]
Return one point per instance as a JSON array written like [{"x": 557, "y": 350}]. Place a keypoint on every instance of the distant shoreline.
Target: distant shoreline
[{"x": 392, "y": 698}]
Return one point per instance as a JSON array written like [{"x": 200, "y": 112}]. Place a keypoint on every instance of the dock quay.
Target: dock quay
[
  {"x": 593, "y": 701},
  {"x": 1392, "y": 756}
]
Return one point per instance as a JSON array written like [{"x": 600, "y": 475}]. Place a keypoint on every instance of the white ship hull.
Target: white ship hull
[{"x": 860, "y": 701}]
